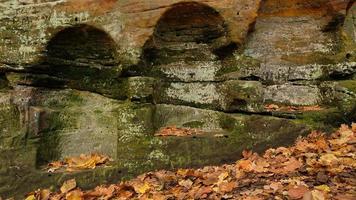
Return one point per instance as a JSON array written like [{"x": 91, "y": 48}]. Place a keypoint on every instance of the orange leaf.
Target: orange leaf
[
  {"x": 245, "y": 165},
  {"x": 227, "y": 187},
  {"x": 75, "y": 195},
  {"x": 246, "y": 153},
  {"x": 297, "y": 192}
]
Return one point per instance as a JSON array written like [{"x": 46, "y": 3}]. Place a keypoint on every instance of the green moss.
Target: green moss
[
  {"x": 348, "y": 84},
  {"x": 110, "y": 87},
  {"x": 325, "y": 120},
  {"x": 39, "y": 80},
  {"x": 194, "y": 124},
  {"x": 11, "y": 132},
  {"x": 238, "y": 63}
]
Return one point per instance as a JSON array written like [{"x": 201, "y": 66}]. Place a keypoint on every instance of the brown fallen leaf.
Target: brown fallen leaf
[
  {"x": 317, "y": 195},
  {"x": 186, "y": 183},
  {"x": 101, "y": 191},
  {"x": 345, "y": 197},
  {"x": 68, "y": 185},
  {"x": 246, "y": 153},
  {"x": 321, "y": 161},
  {"x": 85, "y": 161},
  {"x": 297, "y": 192},
  {"x": 245, "y": 165},
  {"x": 274, "y": 107},
  {"x": 227, "y": 187},
  {"x": 328, "y": 159},
  {"x": 77, "y": 163},
  {"x": 178, "y": 132},
  {"x": 275, "y": 186}
]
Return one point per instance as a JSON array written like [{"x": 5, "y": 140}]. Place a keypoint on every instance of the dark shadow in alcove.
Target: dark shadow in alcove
[
  {"x": 188, "y": 31},
  {"x": 79, "y": 51}
]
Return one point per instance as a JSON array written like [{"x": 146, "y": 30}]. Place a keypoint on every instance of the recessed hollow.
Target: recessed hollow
[
  {"x": 82, "y": 44},
  {"x": 187, "y": 32}
]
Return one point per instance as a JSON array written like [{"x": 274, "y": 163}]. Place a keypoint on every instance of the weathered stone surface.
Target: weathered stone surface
[
  {"x": 245, "y": 96},
  {"x": 11, "y": 132},
  {"x": 291, "y": 94},
  {"x": 129, "y": 23},
  {"x": 203, "y": 95},
  {"x": 140, "y": 88},
  {"x": 350, "y": 25},
  {"x": 342, "y": 70},
  {"x": 188, "y": 117},
  {"x": 228, "y": 96},
  {"x": 189, "y": 71}
]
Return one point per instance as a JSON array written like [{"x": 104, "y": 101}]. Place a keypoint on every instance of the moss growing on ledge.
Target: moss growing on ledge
[
  {"x": 324, "y": 120},
  {"x": 240, "y": 64},
  {"x": 349, "y": 85}
]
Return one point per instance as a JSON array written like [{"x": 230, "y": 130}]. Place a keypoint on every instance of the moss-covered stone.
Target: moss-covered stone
[
  {"x": 239, "y": 66},
  {"x": 12, "y": 133},
  {"x": 350, "y": 85},
  {"x": 188, "y": 117},
  {"x": 196, "y": 94},
  {"x": 140, "y": 88},
  {"x": 296, "y": 94},
  {"x": 324, "y": 120},
  {"x": 245, "y": 96},
  {"x": 82, "y": 123},
  {"x": 35, "y": 80}
]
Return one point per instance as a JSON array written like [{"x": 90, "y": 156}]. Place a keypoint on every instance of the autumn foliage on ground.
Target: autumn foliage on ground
[{"x": 315, "y": 168}]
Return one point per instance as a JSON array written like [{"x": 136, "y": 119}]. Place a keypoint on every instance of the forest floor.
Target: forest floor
[{"x": 317, "y": 167}]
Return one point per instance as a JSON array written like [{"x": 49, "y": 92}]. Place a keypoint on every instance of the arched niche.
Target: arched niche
[
  {"x": 81, "y": 47},
  {"x": 188, "y": 31}
]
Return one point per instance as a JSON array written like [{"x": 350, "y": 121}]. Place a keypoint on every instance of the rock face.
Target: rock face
[{"x": 82, "y": 76}]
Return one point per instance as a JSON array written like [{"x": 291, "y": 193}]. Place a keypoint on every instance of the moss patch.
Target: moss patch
[
  {"x": 238, "y": 63},
  {"x": 348, "y": 84}
]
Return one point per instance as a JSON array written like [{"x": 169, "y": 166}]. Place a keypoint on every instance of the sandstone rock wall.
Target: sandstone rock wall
[{"x": 78, "y": 76}]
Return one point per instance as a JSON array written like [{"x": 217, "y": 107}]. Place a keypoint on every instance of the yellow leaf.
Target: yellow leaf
[
  {"x": 186, "y": 183},
  {"x": 143, "y": 188},
  {"x": 317, "y": 195},
  {"x": 75, "y": 195},
  {"x": 45, "y": 194},
  {"x": 328, "y": 159},
  {"x": 223, "y": 176},
  {"x": 31, "y": 197},
  {"x": 68, "y": 186},
  {"x": 353, "y": 127},
  {"x": 324, "y": 188}
]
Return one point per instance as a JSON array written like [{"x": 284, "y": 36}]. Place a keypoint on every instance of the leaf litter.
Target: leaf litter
[
  {"x": 274, "y": 107},
  {"x": 78, "y": 163},
  {"x": 178, "y": 132},
  {"x": 317, "y": 167}
]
